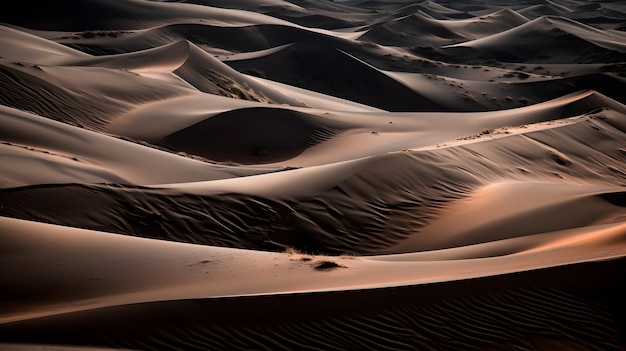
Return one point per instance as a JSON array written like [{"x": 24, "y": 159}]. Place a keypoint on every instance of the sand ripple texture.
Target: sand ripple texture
[{"x": 321, "y": 175}]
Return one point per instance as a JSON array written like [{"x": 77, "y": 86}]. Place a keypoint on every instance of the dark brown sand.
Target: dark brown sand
[{"x": 353, "y": 175}]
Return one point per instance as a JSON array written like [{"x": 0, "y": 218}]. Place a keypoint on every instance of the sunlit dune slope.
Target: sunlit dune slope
[{"x": 312, "y": 175}]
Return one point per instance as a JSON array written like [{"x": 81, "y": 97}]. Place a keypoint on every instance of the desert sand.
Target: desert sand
[{"x": 311, "y": 174}]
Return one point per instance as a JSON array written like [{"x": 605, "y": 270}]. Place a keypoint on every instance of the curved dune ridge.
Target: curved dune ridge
[
  {"x": 550, "y": 39},
  {"x": 371, "y": 175}
]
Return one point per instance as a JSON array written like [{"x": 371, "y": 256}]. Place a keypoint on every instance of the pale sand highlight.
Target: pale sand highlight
[{"x": 210, "y": 175}]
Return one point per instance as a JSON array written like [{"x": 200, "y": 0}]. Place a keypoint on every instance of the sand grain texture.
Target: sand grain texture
[{"x": 316, "y": 175}]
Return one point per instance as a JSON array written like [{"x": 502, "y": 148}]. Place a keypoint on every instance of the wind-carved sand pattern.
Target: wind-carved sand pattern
[{"x": 350, "y": 175}]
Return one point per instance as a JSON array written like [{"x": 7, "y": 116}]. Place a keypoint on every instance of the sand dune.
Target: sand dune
[
  {"x": 126, "y": 14},
  {"x": 193, "y": 65},
  {"x": 24, "y": 47},
  {"x": 218, "y": 272},
  {"x": 312, "y": 133},
  {"x": 38, "y": 244},
  {"x": 549, "y": 39},
  {"x": 396, "y": 32},
  {"x": 50, "y": 152},
  {"x": 431, "y": 8},
  {"x": 421, "y": 29},
  {"x": 352, "y": 77},
  {"x": 349, "y": 206},
  {"x": 317, "y": 175}
]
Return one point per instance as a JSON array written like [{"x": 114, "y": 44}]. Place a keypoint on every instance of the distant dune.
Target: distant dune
[
  {"x": 315, "y": 175},
  {"x": 551, "y": 39}
]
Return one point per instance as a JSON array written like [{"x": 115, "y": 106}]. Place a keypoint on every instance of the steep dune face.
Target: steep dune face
[
  {"x": 209, "y": 174},
  {"x": 269, "y": 135},
  {"x": 421, "y": 29},
  {"x": 209, "y": 75},
  {"x": 359, "y": 207},
  {"x": 548, "y": 39},
  {"x": 353, "y": 79},
  {"x": 48, "y": 150},
  {"x": 83, "y": 96}
]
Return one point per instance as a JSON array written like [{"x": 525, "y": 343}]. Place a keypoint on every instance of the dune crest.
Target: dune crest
[{"x": 312, "y": 175}]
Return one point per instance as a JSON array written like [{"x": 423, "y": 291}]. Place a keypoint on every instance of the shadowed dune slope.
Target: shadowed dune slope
[
  {"x": 313, "y": 66},
  {"x": 44, "y": 151},
  {"x": 213, "y": 38},
  {"x": 83, "y": 96},
  {"x": 194, "y": 66},
  {"x": 359, "y": 208},
  {"x": 212, "y": 76},
  {"x": 312, "y": 175},
  {"x": 149, "y": 306},
  {"x": 222, "y": 137},
  {"x": 421, "y": 29},
  {"x": 547, "y": 39},
  {"x": 78, "y": 15},
  {"x": 24, "y": 47}
]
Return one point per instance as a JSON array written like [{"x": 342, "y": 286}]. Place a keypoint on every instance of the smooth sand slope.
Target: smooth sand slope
[{"x": 354, "y": 175}]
